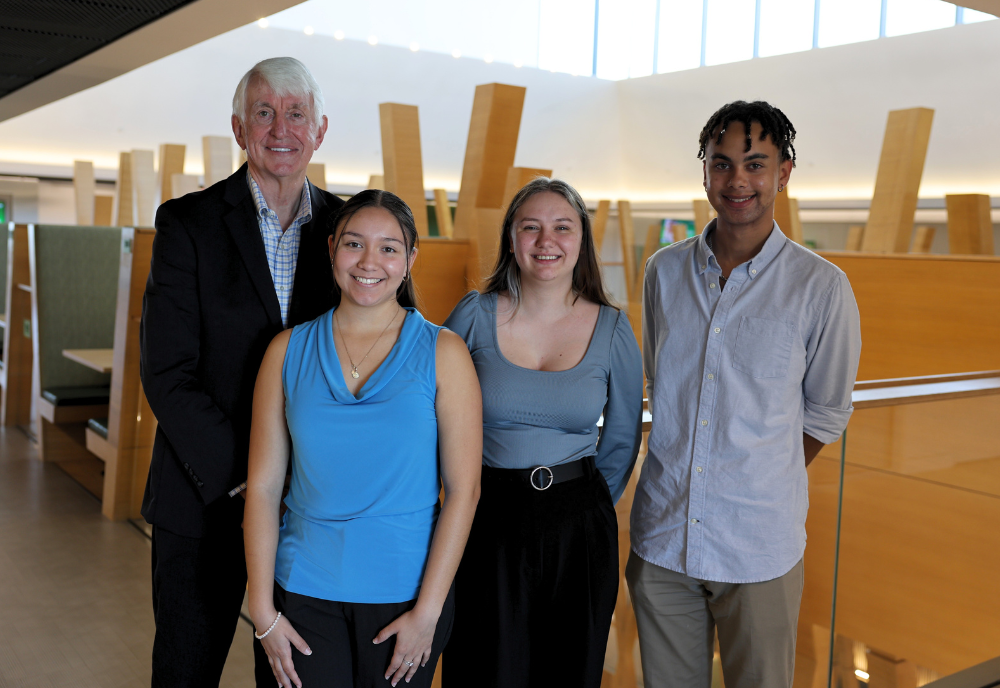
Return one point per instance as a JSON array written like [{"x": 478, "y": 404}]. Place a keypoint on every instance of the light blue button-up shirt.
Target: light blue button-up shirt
[
  {"x": 734, "y": 376},
  {"x": 281, "y": 247}
]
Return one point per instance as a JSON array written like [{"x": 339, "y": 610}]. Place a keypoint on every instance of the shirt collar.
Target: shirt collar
[
  {"x": 775, "y": 241},
  {"x": 305, "y": 202}
]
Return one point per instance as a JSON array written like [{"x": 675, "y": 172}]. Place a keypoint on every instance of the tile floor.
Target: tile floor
[{"x": 75, "y": 605}]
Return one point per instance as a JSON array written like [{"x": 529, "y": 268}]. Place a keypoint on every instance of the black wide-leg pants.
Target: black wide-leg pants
[{"x": 536, "y": 588}]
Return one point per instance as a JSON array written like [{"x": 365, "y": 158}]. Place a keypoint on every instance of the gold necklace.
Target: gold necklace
[{"x": 354, "y": 367}]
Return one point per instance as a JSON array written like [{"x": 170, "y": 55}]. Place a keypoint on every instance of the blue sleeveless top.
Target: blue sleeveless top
[{"x": 364, "y": 493}]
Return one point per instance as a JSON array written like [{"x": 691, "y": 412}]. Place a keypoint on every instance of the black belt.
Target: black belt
[{"x": 543, "y": 477}]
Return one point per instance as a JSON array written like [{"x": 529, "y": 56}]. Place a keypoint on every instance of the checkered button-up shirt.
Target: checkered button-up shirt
[{"x": 282, "y": 248}]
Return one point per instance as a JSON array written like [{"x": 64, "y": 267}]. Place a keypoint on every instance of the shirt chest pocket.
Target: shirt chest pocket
[{"x": 763, "y": 347}]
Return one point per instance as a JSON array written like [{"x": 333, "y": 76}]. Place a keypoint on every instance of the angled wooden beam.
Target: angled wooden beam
[
  {"x": 626, "y": 233},
  {"x": 489, "y": 155},
  {"x": 171, "y": 163},
  {"x": 517, "y": 179},
  {"x": 970, "y": 226},
  {"x": 600, "y": 224},
  {"x": 124, "y": 205},
  {"x": 217, "y": 154},
  {"x": 183, "y": 184},
  {"x": 923, "y": 238},
  {"x": 143, "y": 187},
  {"x": 703, "y": 214},
  {"x": 316, "y": 172},
  {"x": 786, "y": 214},
  {"x": 652, "y": 246},
  {"x": 900, "y": 167},
  {"x": 401, "y": 158},
  {"x": 15, "y": 393},
  {"x": 84, "y": 186},
  {"x": 442, "y": 213},
  {"x": 103, "y": 207},
  {"x": 855, "y": 233},
  {"x": 376, "y": 181}
]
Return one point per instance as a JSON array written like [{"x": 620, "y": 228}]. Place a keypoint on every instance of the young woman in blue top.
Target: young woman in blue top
[
  {"x": 375, "y": 408},
  {"x": 539, "y": 578}
]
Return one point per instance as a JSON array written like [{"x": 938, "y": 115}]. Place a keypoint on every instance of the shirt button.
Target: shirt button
[
  {"x": 753, "y": 272},
  {"x": 694, "y": 520},
  {"x": 703, "y": 267},
  {"x": 704, "y": 422},
  {"x": 711, "y": 377},
  {"x": 699, "y": 469},
  {"x": 717, "y": 330},
  {"x": 712, "y": 285}
]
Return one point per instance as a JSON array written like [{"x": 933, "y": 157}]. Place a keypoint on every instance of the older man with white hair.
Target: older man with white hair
[{"x": 232, "y": 266}]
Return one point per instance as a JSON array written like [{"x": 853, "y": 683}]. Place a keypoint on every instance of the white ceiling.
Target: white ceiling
[{"x": 634, "y": 138}]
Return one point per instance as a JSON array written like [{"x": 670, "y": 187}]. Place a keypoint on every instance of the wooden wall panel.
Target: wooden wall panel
[
  {"x": 217, "y": 153},
  {"x": 84, "y": 187},
  {"x": 401, "y": 158},
  {"x": 489, "y": 154},
  {"x": 703, "y": 214},
  {"x": 918, "y": 557},
  {"x": 900, "y": 167},
  {"x": 171, "y": 163},
  {"x": 316, "y": 172},
  {"x": 924, "y": 314},
  {"x": 143, "y": 187},
  {"x": 124, "y": 204},
  {"x": 970, "y": 227},
  {"x": 442, "y": 212},
  {"x": 131, "y": 425},
  {"x": 440, "y": 276}
]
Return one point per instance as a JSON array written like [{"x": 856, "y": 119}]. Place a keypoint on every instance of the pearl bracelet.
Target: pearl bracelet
[{"x": 269, "y": 629}]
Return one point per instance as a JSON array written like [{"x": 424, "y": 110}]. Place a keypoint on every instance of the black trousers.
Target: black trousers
[
  {"x": 536, "y": 588},
  {"x": 198, "y": 586},
  {"x": 340, "y": 636}
]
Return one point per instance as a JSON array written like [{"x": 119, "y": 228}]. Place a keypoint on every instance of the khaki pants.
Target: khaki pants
[{"x": 677, "y": 615}]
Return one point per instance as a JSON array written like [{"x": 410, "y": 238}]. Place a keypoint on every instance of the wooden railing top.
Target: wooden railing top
[{"x": 910, "y": 256}]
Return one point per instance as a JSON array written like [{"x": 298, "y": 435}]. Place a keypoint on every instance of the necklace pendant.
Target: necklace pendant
[{"x": 354, "y": 373}]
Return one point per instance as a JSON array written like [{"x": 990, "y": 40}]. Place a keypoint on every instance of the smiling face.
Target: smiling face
[
  {"x": 279, "y": 134},
  {"x": 547, "y": 237},
  {"x": 741, "y": 184},
  {"x": 369, "y": 257}
]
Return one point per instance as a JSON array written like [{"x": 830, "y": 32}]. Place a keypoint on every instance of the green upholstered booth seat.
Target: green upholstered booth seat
[
  {"x": 75, "y": 281},
  {"x": 77, "y": 396},
  {"x": 99, "y": 425}
]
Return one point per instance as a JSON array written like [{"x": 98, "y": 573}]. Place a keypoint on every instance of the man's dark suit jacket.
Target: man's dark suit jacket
[{"x": 209, "y": 312}]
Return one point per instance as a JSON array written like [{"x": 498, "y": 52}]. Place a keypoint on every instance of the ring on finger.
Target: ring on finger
[{"x": 409, "y": 664}]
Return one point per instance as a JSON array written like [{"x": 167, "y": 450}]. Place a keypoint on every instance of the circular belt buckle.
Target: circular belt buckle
[{"x": 544, "y": 486}]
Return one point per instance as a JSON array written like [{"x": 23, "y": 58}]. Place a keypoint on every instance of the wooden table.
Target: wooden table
[{"x": 96, "y": 359}]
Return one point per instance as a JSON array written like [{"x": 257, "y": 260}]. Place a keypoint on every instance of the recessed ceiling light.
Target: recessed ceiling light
[
  {"x": 488, "y": 59},
  {"x": 338, "y": 34},
  {"x": 373, "y": 40},
  {"x": 308, "y": 31},
  {"x": 262, "y": 22},
  {"x": 518, "y": 64},
  {"x": 414, "y": 46},
  {"x": 456, "y": 53}
]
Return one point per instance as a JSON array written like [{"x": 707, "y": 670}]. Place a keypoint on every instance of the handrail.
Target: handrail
[
  {"x": 985, "y": 675},
  {"x": 923, "y": 379}
]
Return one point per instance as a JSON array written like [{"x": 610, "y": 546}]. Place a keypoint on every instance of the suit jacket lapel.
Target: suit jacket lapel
[{"x": 242, "y": 223}]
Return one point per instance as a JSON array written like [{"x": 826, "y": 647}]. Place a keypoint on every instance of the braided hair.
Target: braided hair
[{"x": 772, "y": 122}]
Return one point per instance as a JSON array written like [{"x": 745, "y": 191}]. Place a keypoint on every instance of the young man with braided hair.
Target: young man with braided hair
[{"x": 750, "y": 346}]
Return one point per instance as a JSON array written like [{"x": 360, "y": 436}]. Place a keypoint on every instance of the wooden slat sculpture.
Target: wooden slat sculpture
[
  {"x": 401, "y": 158},
  {"x": 15, "y": 405},
  {"x": 124, "y": 203},
  {"x": 901, "y": 165},
  {"x": 316, "y": 172},
  {"x": 171, "y": 163},
  {"x": 786, "y": 214},
  {"x": 600, "y": 224},
  {"x": 923, "y": 238},
  {"x": 376, "y": 181},
  {"x": 442, "y": 213},
  {"x": 217, "y": 153},
  {"x": 855, "y": 235},
  {"x": 970, "y": 227},
  {"x": 104, "y": 210},
  {"x": 703, "y": 214},
  {"x": 143, "y": 187},
  {"x": 489, "y": 155},
  {"x": 83, "y": 191}
]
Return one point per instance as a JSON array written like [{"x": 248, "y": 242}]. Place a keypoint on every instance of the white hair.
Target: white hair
[{"x": 285, "y": 76}]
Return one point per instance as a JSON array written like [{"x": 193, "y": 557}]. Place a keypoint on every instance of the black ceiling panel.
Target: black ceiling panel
[{"x": 38, "y": 37}]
